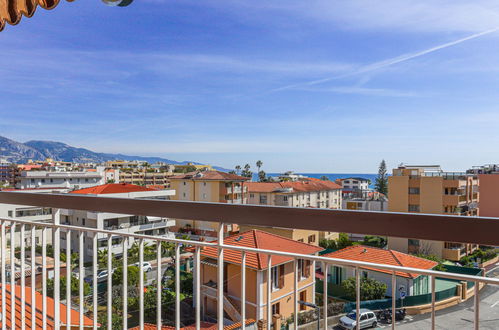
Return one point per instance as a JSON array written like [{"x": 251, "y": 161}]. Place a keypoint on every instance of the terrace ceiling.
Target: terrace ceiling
[{"x": 11, "y": 11}]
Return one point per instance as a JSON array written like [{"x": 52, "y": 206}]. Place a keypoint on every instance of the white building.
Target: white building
[
  {"x": 71, "y": 180},
  {"x": 124, "y": 223}
]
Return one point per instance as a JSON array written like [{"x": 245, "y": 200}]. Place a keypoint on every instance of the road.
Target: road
[{"x": 460, "y": 316}]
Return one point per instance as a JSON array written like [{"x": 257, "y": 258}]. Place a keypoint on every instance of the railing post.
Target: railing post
[
  {"x": 476, "y": 299},
  {"x": 220, "y": 277},
  {"x": 44, "y": 277},
  {"x": 325, "y": 294},
  {"x": 158, "y": 286},
  {"x": 81, "y": 279},
  {"x": 243, "y": 290},
  {"x": 197, "y": 284},
  {"x": 394, "y": 298},
  {"x": 56, "y": 219},
  {"x": 269, "y": 292},
  {"x": 141, "y": 284},
  {"x": 12, "y": 275},
  {"x": 69, "y": 276},
  {"x": 33, "y": 275},
  {"x": 125, "y": 282},
  {"x": 23, "y": 278},
  {"x": 357, "y": 297},
  {"x": 4, "y": 248},
  {"x": 177, "y": 286},
  {"x": 295, "y": 293},
  {"x": 433, "y": 302},
  {"x": 96, "y": 287}
]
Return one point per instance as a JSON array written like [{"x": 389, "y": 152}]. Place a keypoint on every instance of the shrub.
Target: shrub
[{"x": 370, "y": 289}]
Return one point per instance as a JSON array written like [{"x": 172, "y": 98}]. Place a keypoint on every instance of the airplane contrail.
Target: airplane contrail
[{"x": 389, "y": 62}]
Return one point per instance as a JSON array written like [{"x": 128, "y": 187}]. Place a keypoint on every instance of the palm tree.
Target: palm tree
[
  {"x": 75, "y": 258},
  {"x": 102, "y": 257},
  {"x": 259, "y": 164}
]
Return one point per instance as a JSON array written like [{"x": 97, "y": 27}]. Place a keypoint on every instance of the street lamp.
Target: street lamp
[{"x": 317, "y": 308}]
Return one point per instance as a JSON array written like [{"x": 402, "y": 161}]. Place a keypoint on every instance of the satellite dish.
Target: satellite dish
[{"x": 117, "y": 3}]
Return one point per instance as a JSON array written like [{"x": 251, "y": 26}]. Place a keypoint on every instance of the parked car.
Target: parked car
[
  {"x": 102, "y": 275},
  {"x": 146, "y": 266},
  {"x": 367, "y": 319}
]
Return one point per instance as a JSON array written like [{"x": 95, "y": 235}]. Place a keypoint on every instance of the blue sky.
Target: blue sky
[{"x": 310, "y": 86}]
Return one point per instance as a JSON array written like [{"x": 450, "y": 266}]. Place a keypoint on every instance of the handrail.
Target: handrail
[
  {"x": 335, "y": 261},
  {"x": 449, "y": 228}
]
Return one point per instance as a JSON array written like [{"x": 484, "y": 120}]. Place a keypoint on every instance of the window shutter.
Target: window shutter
[
  {"x": 281, "y": 276},
  {"x": 307, "y": 268}
]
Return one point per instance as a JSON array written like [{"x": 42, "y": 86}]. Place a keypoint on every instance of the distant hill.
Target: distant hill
[{"x": 17, "y": 152}]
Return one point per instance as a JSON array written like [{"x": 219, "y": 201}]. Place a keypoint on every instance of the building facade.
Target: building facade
[
  {"x": 282, "y": 277},
  {"x": 71, "y": 180},
  {"x": 427, "y": 189}
]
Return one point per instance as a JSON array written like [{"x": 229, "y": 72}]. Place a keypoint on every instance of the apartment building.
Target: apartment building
[
  {"x": 306, "y": 193},
  {"x": 488, "y": 176},
  {"x": 145, "y": 177},
  {"x": 7, "y": 174},
  {"x": 282, "y": 277},
  {"x": 428, "y": 189},
  {"x": 121, "y": 223},
  {"x": 355, "y": 186},
  {"x": 71, "y": 180},
  {"x": 208, "y": 186}
]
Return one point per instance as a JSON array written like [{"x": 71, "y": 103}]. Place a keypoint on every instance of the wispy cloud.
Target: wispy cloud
[{"x": 388, "y": 62}]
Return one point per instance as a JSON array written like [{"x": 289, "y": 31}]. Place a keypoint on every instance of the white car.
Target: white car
[
  {"x": 102, "y": 275},
  {"x": 146, "y": 266},
  {"x": 367, "y": 319}
]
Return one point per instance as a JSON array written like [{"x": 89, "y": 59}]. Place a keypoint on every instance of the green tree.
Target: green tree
[
  {"x": 375, "y": 241},
  {"x": 259, "y": 164},
  {"x": 132, "y": 275},
  {"x": 75, "y": 287},
  {"x": 370, "y": 289},
  {"x": 238, "y": 169},
  {"x": 341, "y": 242},
  {"x": 246, "y": 171},
  {"x": 75, "y": 259},
  {"x": 324, "y": 178},
  {"x": 262, "y": 176},
  {"x": 432, "y": 257},
  {"x": 381, "y": 184}
]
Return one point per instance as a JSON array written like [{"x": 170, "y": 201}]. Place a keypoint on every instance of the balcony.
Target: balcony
[{"x": 95, "y": 305}]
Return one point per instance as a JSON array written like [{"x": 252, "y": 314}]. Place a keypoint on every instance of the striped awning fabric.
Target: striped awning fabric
[{"x": 11, "y": 11}]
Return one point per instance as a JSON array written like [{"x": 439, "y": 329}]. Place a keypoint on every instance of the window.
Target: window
[
  {"x": 303, "y": 268},
  {"x": 86, "y": 180},
  {"x": 32, "y": 180},
  {"x": 204, "y": 184},
  {"x": 184, "y": 195},
  {"x": 300, "y": 240},
  {"x": 252, "y": 195},
  {"x": 413, "y": 191},
  {"x": 263, "y": 199},
  {"x": 413, "y": 208},
  {"x": 311, "y": 239},
  {"x": 83, "y": 221},
  {"x": 363, "y": 317},
  {"x": 364, "y": 274},
  {"x": 303, "y": 297},
  {"x": 185, "y": 183},
  {"x": 43, "y": 180},
  {"x": 277, "y": 277},
  {"x": 276, "y": 309},
  {"x": 9, "y": 214},
  {"x": 285, "y": 198},
  {"x": 51, "y": 180}
]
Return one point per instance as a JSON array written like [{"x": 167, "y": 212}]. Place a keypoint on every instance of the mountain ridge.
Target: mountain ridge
[{"x": 17, "y": 152}]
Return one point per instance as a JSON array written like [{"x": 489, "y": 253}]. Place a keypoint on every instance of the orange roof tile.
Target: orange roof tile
[
  {"x": 203, "y": 325},
  {"x": 260, "y": 240},
  {"x": 297, "y": 186},
  {"x": 210, "y": 175},
  {"x": 385, "y": 257},
  {"x": 87, "y": 322},
  {"x": 112, "y": 188}
]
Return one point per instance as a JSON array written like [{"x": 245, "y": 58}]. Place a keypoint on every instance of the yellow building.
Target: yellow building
[
  {"x": 199, "y": 167},
  {"x": 282, "y": 277},
  {"x": 427, "y": 189},
  {"x": 208, "y": 186}
]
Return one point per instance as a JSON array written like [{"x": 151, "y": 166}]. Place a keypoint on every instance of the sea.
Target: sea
[{"x": 331, "y": 176}]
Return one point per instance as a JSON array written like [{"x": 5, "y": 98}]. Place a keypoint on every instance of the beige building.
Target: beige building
[
  {"x": 208, "y": 186},
  {"x": 427, "y": 189},
  {"x": 282, "y": 277},
  {"x": 145, "y": 177},
  {"x": 305, "y": 193}
]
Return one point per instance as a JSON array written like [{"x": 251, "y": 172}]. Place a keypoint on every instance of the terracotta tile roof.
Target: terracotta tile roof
[
  {"x": 297, "y": 186},
  {"x": 260, "y": 240},
  {"x": 203, "y": 325},
  {"x": 87, "y": 322},
  {"x": 210, "y": 175},
  {"x": 11, "y": 11},
  {"x": 112, "y": 188},
  {"x": 386, "y": 257}
]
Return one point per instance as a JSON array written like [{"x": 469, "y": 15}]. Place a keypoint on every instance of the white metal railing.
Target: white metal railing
[
  {"x": 8, "y": 226},
  {"x": 79, "y": 236}
]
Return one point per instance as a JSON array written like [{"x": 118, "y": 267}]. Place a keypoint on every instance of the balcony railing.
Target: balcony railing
[{"x": 420, "y": 226}]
